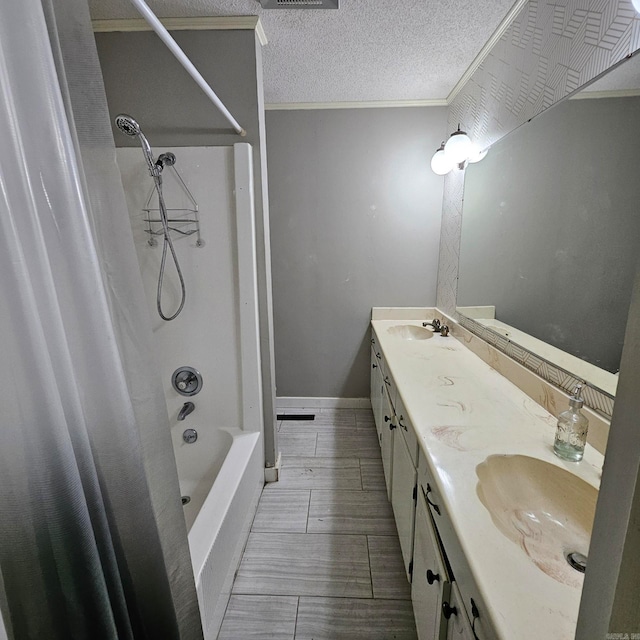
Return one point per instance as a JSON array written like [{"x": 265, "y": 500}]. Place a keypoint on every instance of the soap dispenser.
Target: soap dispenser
[{"x": 571, "y": 433}]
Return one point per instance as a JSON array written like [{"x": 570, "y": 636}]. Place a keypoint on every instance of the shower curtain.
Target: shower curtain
[{"x": 93, "y": 543}]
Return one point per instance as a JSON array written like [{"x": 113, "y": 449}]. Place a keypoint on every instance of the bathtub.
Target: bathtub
[{"x": 222, "y": 474}]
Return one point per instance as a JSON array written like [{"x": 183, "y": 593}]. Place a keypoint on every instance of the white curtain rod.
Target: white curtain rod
[{"x": 182, "y": 58}]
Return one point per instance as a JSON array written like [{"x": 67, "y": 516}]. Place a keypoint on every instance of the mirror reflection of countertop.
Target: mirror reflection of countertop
[{"x": 464, "y": 412}]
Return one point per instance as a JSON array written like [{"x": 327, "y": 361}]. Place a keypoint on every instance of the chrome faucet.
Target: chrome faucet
[
  {"x": 438, "y": 327},
  {"x": 435, "y": 324},
  {"x": 187, "y": 408}
]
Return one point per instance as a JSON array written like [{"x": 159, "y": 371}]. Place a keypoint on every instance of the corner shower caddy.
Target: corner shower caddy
[{"x": 187, "y": 226}]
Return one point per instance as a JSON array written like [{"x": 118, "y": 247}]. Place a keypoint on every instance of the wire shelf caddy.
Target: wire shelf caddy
[{"x": 184, "y": 221}]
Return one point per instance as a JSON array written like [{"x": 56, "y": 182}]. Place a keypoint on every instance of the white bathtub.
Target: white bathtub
[{"x": 222, "y": 472}]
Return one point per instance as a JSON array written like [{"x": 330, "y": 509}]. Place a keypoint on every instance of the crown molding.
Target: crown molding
[
  {"x": 378, "y": 104},
  {"x": 484, "y": 52},
  {"x": 614, "y": 93},
  {"x": 215, "y": 23}
]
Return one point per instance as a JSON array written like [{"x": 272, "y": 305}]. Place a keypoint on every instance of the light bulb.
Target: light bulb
[
  {"x": 440, "y": 164},
  {"x": 458, "y": 147},
  {"x": 476, "y": 153},
  {"x": 636, "y": 5}
]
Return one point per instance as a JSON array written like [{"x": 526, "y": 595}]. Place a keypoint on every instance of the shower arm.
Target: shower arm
[{"x": 182, "y": 58}]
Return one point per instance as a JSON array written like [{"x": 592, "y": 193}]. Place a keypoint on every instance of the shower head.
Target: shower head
[{"x": 130, "y": 127}]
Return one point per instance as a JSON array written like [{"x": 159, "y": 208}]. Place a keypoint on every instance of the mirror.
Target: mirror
[{"x": 551, "y": 229}]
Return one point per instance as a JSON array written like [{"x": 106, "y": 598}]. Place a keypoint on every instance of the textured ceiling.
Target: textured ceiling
[{"x": 368, "y": 50}]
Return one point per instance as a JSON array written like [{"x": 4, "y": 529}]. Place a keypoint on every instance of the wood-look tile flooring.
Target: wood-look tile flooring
[{"x": 323, "y": 560}]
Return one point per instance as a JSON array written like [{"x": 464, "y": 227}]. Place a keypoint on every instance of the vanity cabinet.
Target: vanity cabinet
[
  {"x": 388, "y": 420},
  {"x": 383, "y": 411},
  {"x": 403, "y": 498},
  {"x": 458, "y": 626},
  {"x": 443, "y": 592},
  {"x": 377, "y": 390},
  {"x": 430, "y": 586},
  {"x": 461, "y": 608}
]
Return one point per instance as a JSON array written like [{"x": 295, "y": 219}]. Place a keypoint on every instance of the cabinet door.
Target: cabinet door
[
  {"x": 403, "y": 488},
  {"x": 459, "y": 627},
  {"x": 377, "y": 385},
  {"x": 386, "y": 439},
  {"x": 430, "y": 585}
]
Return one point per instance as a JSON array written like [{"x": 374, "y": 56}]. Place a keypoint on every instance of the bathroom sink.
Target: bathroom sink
[
  {"x": 544, "y": 509},
  {"x": 410, "y": 332}
]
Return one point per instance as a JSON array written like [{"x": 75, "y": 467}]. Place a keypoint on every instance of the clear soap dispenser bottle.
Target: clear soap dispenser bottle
[{"x": 571, "y": 433}]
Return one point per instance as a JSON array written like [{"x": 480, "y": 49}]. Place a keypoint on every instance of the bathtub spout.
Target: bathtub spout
[{"x": 187, "y": 408}]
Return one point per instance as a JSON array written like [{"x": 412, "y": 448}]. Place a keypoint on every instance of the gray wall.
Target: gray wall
[
  {"x": 143, "y": 78},
  {"x": 551, "y": 228},
  {"x": 355, "y": 223}
]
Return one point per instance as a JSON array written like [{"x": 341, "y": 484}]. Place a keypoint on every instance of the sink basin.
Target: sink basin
[
  {"x": 544, "y": 509},
  {"x": 410, "y": 332}
]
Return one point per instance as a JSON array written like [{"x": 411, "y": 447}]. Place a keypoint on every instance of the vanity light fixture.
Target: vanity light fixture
[
  {"x": 457, "y": 152},
  {"x": 636, "y": 5},
  {"x": 458, "y": 147},
  {"x": 440, "y": 164}
]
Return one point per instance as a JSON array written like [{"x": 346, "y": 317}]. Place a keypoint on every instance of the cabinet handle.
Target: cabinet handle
[
  {"x": 402, "y": 425},
  {"x": 387, "y": 381},
  {"x": 374, "y": 365},
  {"x": 378, "y": 356},
  {"x": 373, "y": 341},
  {"x": 432, "y": 577},
  {"x": 476, "y": 614},
  {"x": 448, "y": 610},
  {"x": 391, "y": 426},
  {"x": 436, "y": 508},
  {"x": 387, "y": 418}
]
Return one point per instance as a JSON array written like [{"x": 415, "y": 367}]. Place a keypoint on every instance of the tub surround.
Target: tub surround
[
  {"x": 223, "y": 471},
  {"x": 463, "y": 411}
]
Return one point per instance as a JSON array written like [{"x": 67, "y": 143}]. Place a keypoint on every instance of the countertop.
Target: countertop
[{"x": 463, "y": 411}]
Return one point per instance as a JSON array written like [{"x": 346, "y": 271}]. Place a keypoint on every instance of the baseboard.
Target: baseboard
[
  {"x": 323, "y": 403},
  {"x": 272, "y": 474}
]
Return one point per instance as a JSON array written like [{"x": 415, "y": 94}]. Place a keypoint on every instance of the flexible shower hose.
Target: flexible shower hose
[{"x": 157, "y": 179}]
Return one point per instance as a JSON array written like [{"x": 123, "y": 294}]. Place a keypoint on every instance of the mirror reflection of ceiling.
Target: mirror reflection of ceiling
[{"x": 551, "y": 228}]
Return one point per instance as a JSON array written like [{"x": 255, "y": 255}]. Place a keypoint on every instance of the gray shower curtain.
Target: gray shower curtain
[{"x": 92, "y": 538}]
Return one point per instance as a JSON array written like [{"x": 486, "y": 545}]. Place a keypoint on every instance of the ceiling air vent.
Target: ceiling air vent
[{"x": 300, "y": 4}]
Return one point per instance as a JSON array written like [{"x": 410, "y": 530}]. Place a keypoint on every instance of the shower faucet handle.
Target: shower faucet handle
[{"x": 187, "y": 381}]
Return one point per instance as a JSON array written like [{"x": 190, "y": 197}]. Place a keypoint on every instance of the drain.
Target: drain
[
  {"x": 577, "y": 561},
  {"x": 186, "y": 500}
]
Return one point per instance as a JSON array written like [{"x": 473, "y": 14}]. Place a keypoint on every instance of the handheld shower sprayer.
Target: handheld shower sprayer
[{"x": 130, "y": 127}]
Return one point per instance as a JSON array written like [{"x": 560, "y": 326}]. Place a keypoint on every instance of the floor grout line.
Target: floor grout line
[
  {"x": 373, "y": 595},
  {"x": 295, "y": 625}
]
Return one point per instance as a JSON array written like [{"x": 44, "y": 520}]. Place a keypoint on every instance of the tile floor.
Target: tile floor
[{"x": 323, "y": 560}]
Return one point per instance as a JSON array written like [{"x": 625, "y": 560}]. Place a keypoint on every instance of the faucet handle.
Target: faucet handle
[{"x": 444, "y": 331}]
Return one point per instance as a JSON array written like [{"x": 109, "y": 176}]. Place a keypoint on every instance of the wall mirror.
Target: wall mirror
[{"x": 551, "y": 229}]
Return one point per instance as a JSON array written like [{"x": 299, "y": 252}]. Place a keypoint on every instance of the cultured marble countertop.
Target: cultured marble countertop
[{"x": 463, "y": 411}]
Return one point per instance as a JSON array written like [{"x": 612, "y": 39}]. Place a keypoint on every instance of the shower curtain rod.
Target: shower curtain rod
[{"x": 165, "y": 36}]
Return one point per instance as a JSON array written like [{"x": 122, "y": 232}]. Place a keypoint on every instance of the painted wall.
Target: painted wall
[
  {"x": 355, "y": 223},
  {"x": 142, "y": 78}
]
